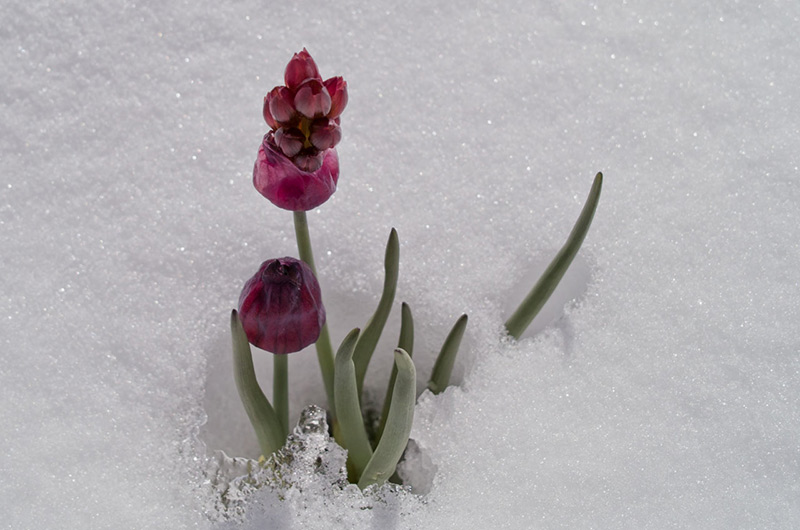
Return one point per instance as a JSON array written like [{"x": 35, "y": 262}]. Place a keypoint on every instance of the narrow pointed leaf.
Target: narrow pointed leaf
[
  {"x": 372, "y": 331},
  {"x": 348, "y": 408},
  {"x": 265, "y": 422},
  {"x": 443, "y": 368},
  {"x": 398, "y": 425},
  {"x": 533, "y": 303},
  {"x": 405, "y": 342}
]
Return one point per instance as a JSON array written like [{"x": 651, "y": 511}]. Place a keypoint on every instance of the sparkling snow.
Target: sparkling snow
[{"x": 659, "y": 389}]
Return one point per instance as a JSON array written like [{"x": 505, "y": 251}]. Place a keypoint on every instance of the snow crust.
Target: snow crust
[{"x": 658, "y": 390}]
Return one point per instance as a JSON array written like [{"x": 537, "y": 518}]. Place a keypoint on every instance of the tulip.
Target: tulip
[
  {"x": 304, "y": 117},
  {"x": 281, "y": 306},
  {"x": 298, "y": 184}
]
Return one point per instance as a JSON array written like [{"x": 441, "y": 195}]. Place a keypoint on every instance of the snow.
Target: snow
[{"x": 658, "y": 390}]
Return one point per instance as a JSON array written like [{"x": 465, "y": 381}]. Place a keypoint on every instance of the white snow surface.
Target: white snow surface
[{"x": 660, "y": 389}]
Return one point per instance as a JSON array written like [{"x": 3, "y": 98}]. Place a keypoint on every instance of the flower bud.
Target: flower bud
[
  {"x": 289, "y": 186},
  {"x": 290, "y": 141},
  {"x": 268, "y": 117},
  {"x": 280, "y": 104},
  {"x": 310, "y": 160},
  {"x": 324, "y": 134},
  {"x": 337, "y": 88},
  {"x": 281, "y": 306},
  {"x": 312, "y": 99},
  {"x": 300, "y": 68}
]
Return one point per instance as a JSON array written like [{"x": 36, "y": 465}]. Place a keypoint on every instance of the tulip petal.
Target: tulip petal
[{"x": 289, "y": 187}]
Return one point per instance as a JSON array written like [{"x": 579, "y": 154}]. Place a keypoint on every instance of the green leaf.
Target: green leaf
[
  {"x": 398, "y": 425},
  {"x": 265, "y": 422},
  {"x": 351, "y": 422},
  {"x": 440, "y": 377},
  {"x": 372, "y": 331},
  {"x": 533, "y": 303},
  {"x": 406, "y": 342}
]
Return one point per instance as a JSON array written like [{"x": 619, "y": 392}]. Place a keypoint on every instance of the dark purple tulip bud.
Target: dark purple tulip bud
[
  {"x": 281, "y": 306},
  {"x": 300, "y": 68},
  {"x": 312, "y": 99},
  {"x": 288, "y": 186},
  {"x": 268, "y": 115},
  {"x": 324, "y": 134},
  {"x": 337, "y": 88},
  {"x": 280, "y": 104},
  {"x": 290, "y": 141}
]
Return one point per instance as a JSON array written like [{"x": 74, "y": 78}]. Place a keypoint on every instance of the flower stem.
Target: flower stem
[
  {"x": 280, "y": 390},
  {"x": 323, "y": 344}
]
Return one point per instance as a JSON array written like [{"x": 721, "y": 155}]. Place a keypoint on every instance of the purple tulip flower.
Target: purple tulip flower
[
  {"x": 281, "y": 307},
  {"x": 305, "y": 128}
]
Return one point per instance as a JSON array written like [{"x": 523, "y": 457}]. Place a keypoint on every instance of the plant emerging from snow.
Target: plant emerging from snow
[{"x": 280, "y": 307}]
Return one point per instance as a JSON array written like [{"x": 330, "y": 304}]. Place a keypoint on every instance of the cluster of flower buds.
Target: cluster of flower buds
[{"x": 304, "y": 114}]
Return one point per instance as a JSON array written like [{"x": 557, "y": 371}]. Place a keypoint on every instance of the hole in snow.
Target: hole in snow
[
  {"x": 227, "y": 427},
  {"x": 571, "y": 288}
]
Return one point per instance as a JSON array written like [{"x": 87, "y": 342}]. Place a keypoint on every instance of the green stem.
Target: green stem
[
  {"x": 280, "y": 390},
  {"x": 541, "y": 292},
  {"x": 323, "y": 345}
]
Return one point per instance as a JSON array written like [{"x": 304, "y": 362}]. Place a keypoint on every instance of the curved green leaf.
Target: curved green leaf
[
  {"x": 372, "y": 331},
  {"x": 262, "y": 416},
  {"x": 405, "y": 342},
  {"x": 398, "y": 425},
  {"x": 533, "y": 303},
  {"x": 351, "y": 422},
  {"x": 443, "y": 368}
]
